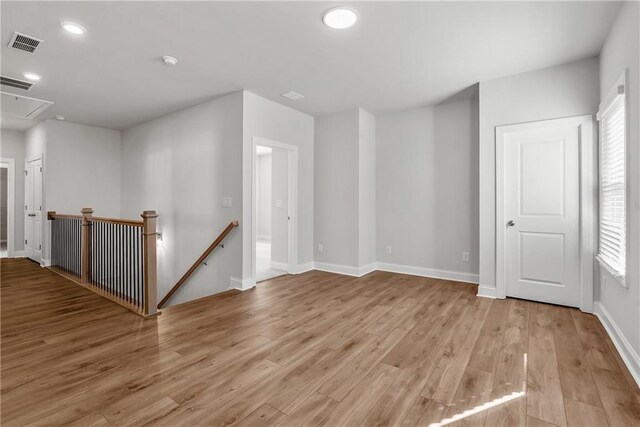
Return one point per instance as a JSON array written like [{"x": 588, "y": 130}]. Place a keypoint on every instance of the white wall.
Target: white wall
[
  {"x": 563, "y": 91},
  {"x": 266, "y": 119},
  {"x": 182, "y": 165},
  {"x": 367, "y": 188},
  {"x": 337, "y": 188},
  {"x": 81, "y": 169},
  {"x": 36, "y": 142},
  {"x": 279, "y": 214},
  {"x": 621, "y": 51},
  {"x": 263, "y": 195},
  {"x": 12, "y": 146},
  {"x": 346, "y": 192},
  {"x": 427, "y": 194}
]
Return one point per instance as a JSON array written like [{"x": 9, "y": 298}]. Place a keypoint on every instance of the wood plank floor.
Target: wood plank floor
[{"x": 313, "y": 349}]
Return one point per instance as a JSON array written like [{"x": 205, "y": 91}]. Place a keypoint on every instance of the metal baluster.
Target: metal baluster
[{"x": 119, "y": 252}]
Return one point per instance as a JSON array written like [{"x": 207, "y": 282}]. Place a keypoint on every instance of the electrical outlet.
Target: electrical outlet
[
  {"x": 465, "y": 256},
  {"x": 388, "y": 249},
  {"x": 279, "y": 203},
  {"x": 226, "y": 202},
  {"x": 320, "y": 247}
]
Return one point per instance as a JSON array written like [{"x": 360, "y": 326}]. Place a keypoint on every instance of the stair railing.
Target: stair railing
[
  {"x": 115, "y": 258},
  {"x": 199, "y": 261}
]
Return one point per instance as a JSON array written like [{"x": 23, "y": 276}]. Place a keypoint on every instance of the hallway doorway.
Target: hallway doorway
[
  {"x": 274, "y": 209},
  {"x": 271, "y": 213}
]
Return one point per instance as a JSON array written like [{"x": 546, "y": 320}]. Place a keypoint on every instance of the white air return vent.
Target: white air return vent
[
  {"x": 24, "y": 42},
  {"x": 20, "y": 84},
  {"x": 22, "y": 107},
  {"x": 294, "y": 96}
]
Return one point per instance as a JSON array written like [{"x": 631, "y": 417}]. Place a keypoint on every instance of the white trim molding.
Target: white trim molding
[
  {"x": 241, "y": 285},
  {"x": 303, "y": 268},
  {"x": 45, "y": 263},
  {"x": 455, "y": 276},
  {"x": 348, "y": 270},
  {"x": 627, "y": 353},
  {"x": 487, "y": 292}
]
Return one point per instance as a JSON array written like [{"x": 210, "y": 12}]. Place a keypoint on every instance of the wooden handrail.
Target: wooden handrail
[
  {"x": 131, "y": 222},
  {"x": 200, "y": 260},
  {"x": 51, "y": 215}
]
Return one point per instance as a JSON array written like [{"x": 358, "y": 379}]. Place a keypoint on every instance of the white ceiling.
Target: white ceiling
[{"x": 398, "y": 56}]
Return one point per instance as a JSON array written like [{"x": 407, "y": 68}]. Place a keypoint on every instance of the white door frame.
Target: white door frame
[
  {"x": 292, "y": 205},
  {"x": 10, "y": 164},
  {"x": 588, "y": 207}
]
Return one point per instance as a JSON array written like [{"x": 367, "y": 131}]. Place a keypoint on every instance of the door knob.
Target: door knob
[{"x": 510, "y": 223}]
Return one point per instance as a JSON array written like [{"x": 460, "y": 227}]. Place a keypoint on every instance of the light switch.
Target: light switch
[{"x": 226, "y": 202}]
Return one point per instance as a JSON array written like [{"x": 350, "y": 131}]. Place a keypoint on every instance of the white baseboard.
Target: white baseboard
[
  {"x": 627, "y": 353},
  {"x": 346, "y": 270},
  {"x": 487, "y": 291},
  {"x": 17, "y": 254},
  {"x": 279, "y": 265},
  {"x": 303, "y": 268},
  {"x": 395, "y": 268},
  {"x": 45, "y": 262},
  {"x": 455, "y": 276},
  {"x": 241, "y": 285}
]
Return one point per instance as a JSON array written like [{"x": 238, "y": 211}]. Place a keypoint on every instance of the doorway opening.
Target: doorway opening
[
  {"x": 4, "y": 210},
  {"x": 271, "y": 213},
  {"x": 7, "y": 210},
  {"x": 273, "y": 209}
]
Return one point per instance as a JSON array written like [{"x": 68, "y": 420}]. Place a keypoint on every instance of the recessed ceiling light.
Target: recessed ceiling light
[
  {"x": 340, "y": 18},
  {"x": 169, "y": 60},
  {"x": 73, "y": 28},
  {"x": 32, "y": 76},
  {"x": 60, "y": 117}
]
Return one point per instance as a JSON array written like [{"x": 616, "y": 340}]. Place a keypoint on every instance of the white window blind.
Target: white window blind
[{"x": 612, "y": 248}]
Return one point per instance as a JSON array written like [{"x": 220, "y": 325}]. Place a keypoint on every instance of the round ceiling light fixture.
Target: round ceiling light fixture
[
  {"x": 340, "y": 18},
  {"x": 169, "y": 60},
  {"x": 73, "y": 28},
  {"x": 32, "y": 76}
]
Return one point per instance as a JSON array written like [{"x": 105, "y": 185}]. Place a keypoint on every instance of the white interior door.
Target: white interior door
[
  {"x": 541, "y": 196},
  {"x": 33, "y": 209}
]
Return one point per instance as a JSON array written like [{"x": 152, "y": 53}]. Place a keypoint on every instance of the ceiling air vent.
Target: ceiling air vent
[
  {"x": 20, "y": 84},
  {"x": 24, "y": 42},
  {"x": 294, "y": 96}
]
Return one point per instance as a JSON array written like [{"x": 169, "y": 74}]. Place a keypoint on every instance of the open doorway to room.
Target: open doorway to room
[
  {"x": 272, "y": 259},
  {"x": 7, "y": 207},
  {"x": 274, "y": 212},
  {"x": 4, "y": 211}
]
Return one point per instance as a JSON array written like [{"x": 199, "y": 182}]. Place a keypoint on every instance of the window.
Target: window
[{"x": 612, "y": 118}]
